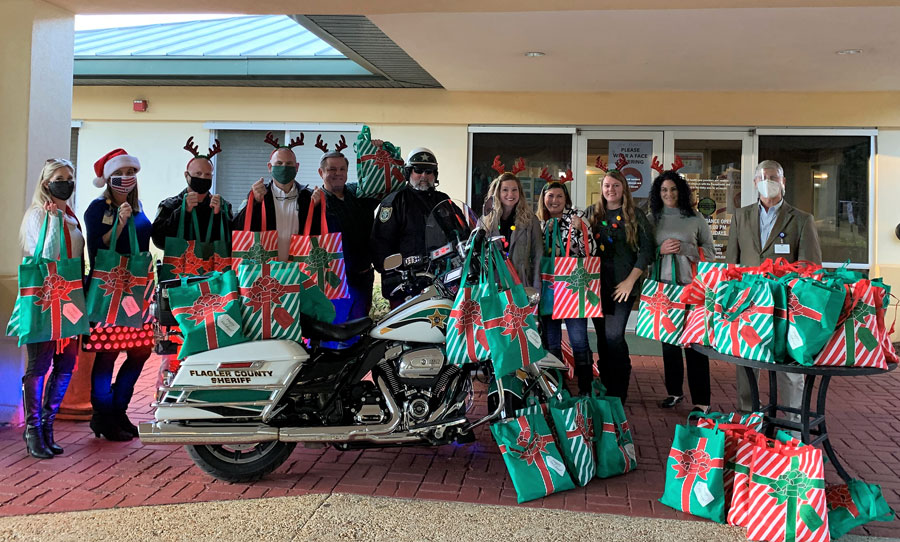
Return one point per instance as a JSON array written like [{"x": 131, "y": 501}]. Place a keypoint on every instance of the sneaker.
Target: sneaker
[
  {"x": 703, "y": 409},
  {"x": 671, "y": 401}
]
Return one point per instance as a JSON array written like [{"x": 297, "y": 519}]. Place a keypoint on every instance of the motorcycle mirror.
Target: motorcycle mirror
[
  {"x": 534, "y": 296},
  {"x": 393, "y": 262}
]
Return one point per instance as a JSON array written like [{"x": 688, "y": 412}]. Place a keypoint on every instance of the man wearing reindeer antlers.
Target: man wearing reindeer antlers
[
  {"x": 198, "y": 174},
  {"x": 768, "y": 229},
  {"x": 400, "y": 220},
  {"x": 286, "y": 202}
]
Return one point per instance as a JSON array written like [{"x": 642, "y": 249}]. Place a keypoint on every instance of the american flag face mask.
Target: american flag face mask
[{"x": 123, "y": 185}]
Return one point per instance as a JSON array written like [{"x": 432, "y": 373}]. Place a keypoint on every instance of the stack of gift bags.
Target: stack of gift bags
[
  {"x": 725, "y": 470},
  {"x": 777, "y": 312},
  {"x": 551, "y": 447}
]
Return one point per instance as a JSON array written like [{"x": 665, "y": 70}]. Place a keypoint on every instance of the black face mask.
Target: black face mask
[
  {"x": 200, "y": 185},
  {"x": 62, "y": 189}
]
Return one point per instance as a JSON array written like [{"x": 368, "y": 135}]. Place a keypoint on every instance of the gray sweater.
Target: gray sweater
[{"x": 693, "y": 232}]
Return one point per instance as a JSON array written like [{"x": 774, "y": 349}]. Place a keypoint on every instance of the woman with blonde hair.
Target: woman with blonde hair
[
  {"x": 625, "y": 244},
  {"x": 41, "y": 402},
  {"x": 508, "y": 214}
]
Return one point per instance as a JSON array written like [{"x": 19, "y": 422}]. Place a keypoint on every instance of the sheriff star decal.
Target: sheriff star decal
[{"x": 437, "y": 319}]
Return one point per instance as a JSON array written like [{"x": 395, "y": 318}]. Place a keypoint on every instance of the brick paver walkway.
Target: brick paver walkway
[{"x": 863, "y": 420}]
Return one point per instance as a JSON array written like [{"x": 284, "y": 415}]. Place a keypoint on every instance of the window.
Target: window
[
  {"x": 550, "y": 151},
  {"x": 828, "y": 176}
]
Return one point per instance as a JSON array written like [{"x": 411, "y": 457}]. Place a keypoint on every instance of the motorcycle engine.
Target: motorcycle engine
[{"x": 420, "y": 383}]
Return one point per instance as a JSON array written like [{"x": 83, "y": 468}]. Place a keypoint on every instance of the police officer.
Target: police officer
[{"x": 400, "y": 219}]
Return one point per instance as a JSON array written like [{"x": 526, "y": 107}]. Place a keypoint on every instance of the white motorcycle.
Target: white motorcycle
[{"x": 241, "y": 410}]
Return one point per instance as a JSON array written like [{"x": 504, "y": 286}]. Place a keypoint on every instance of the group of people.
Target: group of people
[
  {"x": 628, "y": 242},
  {"x": 624, "y": 237}
]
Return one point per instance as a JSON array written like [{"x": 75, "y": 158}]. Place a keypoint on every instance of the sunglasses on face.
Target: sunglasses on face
[{"x": 424, "y": 171}]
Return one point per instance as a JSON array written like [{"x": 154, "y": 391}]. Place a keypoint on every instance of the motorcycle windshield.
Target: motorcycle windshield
[{"x": 449, "y": 222}]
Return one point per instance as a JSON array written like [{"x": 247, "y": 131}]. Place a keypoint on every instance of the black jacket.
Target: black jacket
[
  {"x": 304, "y": 196},
  {"x": 352, "y": 216},
  {"x": 400, "y": 223},
  {"x": 169, "y": 211}
]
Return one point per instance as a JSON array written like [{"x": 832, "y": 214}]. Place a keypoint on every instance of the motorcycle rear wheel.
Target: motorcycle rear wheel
[{"x": 240, "y": 462}]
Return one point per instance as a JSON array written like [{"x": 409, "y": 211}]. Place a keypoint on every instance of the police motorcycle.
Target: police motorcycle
[{"x": 241, "y": 410}]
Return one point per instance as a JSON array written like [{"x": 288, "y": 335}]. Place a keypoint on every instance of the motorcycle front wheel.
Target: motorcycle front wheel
[{"x": 240, "y": 462}]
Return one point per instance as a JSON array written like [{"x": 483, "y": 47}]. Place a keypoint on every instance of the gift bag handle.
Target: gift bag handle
[
  {"x": 132, "y": 235},
  {"x": 248, "y": 216},
  {"x": 323, "y": 225},
  {"x": 735, "y": 313},
  {"x": 42, "y": 237},
  {"x": 584, "y": 238},
  {"x": 551, "y": 238}
]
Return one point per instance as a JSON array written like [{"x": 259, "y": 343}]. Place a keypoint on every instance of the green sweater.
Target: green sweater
[{"x": 616, "y": 254}]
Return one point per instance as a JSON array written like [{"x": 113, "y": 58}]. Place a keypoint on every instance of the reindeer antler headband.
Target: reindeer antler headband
[
  {"x": 272, "y": 140},
  {"x": 621, "y": 162},
  {"x": 500, "y": 168},
  {"x": 676, "y": 165},
  {"x": 192, "y": 148}
]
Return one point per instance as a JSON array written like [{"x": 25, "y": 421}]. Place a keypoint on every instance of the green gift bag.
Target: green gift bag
[
  {"x": 531, "y": 456},
  {"x": 552, "y": 247},
  {"x": 219, "y": 251},
  {"x": 612, "y": 435},
  {"x": 379, "y": 170},
  {"x": 575, "y": 434},
  {"x": 273, "y": 295},
  {"x": 853, "y": 504},
  {"x": 466, "y": 341},
  {"x": 813, "y": 310},
  {"x": 509, "y": 322},
  {"x": 694, "y": 473},
  {"x": 116, "y": 295},
  {"x": 661, "y": 314},
  {"x": 50, "y": 304},
  {"x": 208, "y": 313},
  {"x": 743, "y": 321},
  {"x": 182, "y": 257}
]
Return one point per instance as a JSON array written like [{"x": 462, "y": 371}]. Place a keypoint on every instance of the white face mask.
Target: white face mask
[{"x": 768, "y": 189}]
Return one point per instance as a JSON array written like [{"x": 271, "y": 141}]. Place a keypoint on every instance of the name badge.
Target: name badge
[
  {"x": 108, "y": 218},
  {"x": 782, "y": 248}
]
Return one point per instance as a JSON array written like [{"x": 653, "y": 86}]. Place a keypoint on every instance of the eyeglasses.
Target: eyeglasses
[
  {"x": 424, "y": 171},
  {"x": 61, "y": 161}
]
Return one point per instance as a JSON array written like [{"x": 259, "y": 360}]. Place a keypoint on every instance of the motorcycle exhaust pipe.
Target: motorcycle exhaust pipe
[
  {"x": 173, "y": 433},
  {"x": 347, "y": 433}
]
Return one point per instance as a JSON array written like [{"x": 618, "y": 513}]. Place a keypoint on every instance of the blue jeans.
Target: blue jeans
[
  {"x": 108, "y": 397},
  {"x": 614, "y": 361},
  {"x": 577, "y": 330}
]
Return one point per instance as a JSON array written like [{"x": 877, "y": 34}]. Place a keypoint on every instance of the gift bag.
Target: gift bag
[
  {"x": 552, "y": 247},
  {"x": 813, "y": 310},
  {"x": 531, "y": 456},
  {"x": 614, "y": 444},
  {"x": 116, "y": 294},
  {"x": 739, "y": 461},
  {"x": 208, "y": 313},
  {"x": 182, "y": 258},
  {"x": 271, "y": 298},
  {"x": 256, "y": 246},
  {"x": 575, "y": 434},
  {"x": 379, "y": 170},
  {"x": 787, "y": 494},
  {"x": 576, "y": 283},
  {"x": 510, "y": 326},
  {"x": 466, "y": 341},
  {"x": 50, "y": 304},
  {"x": 699, "y": 297},
  {"x": 854, "y": 343},
  {"x": 752, "y": 420},
  {"x": 743, "y": 321},
  {"x": 321, "y": 256},
  {"x": 661, "y": 314},
  {"x": 853, "y": 504},
  {"x": 219, "y": 251},
  {"x": 884, "y": 295},
  {"x": 694, "y": 473}
]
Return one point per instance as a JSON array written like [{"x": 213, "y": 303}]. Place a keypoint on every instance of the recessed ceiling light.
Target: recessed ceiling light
[
  {"x": 849, "y": 52},
  {"x": 534, "y": 53}
]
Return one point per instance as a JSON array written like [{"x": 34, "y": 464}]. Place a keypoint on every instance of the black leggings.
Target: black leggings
[{"x": 697, "y": 372}]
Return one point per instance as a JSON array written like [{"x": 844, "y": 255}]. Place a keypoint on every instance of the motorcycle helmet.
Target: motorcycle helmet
[{"x": 421, "y": 156}]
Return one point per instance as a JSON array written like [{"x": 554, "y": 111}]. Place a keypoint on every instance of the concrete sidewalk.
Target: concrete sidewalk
[{"x": 353, "y": 517}]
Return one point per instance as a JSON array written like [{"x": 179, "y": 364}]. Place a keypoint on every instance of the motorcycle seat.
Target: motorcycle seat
[{"x": 323, "y": 331}]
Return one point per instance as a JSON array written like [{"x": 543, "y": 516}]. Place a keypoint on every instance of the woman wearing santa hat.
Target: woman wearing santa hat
[
  {"x": 42, "y": 403},
  {"x": 117, "y": 171}
]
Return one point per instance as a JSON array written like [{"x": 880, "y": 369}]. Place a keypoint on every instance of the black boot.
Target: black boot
[
  {"x": 584, "y": 372},
  {"x": 53, "y": 396},
  {"x": 106, "y": 424},
  {"x": 125, "y": 424},
  {"x": 32, "y": 388}
]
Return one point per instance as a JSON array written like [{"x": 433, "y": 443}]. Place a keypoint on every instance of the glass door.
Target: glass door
[
  {"x": 719, "y": 168},
  {"x": 633, "y": 151}
]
